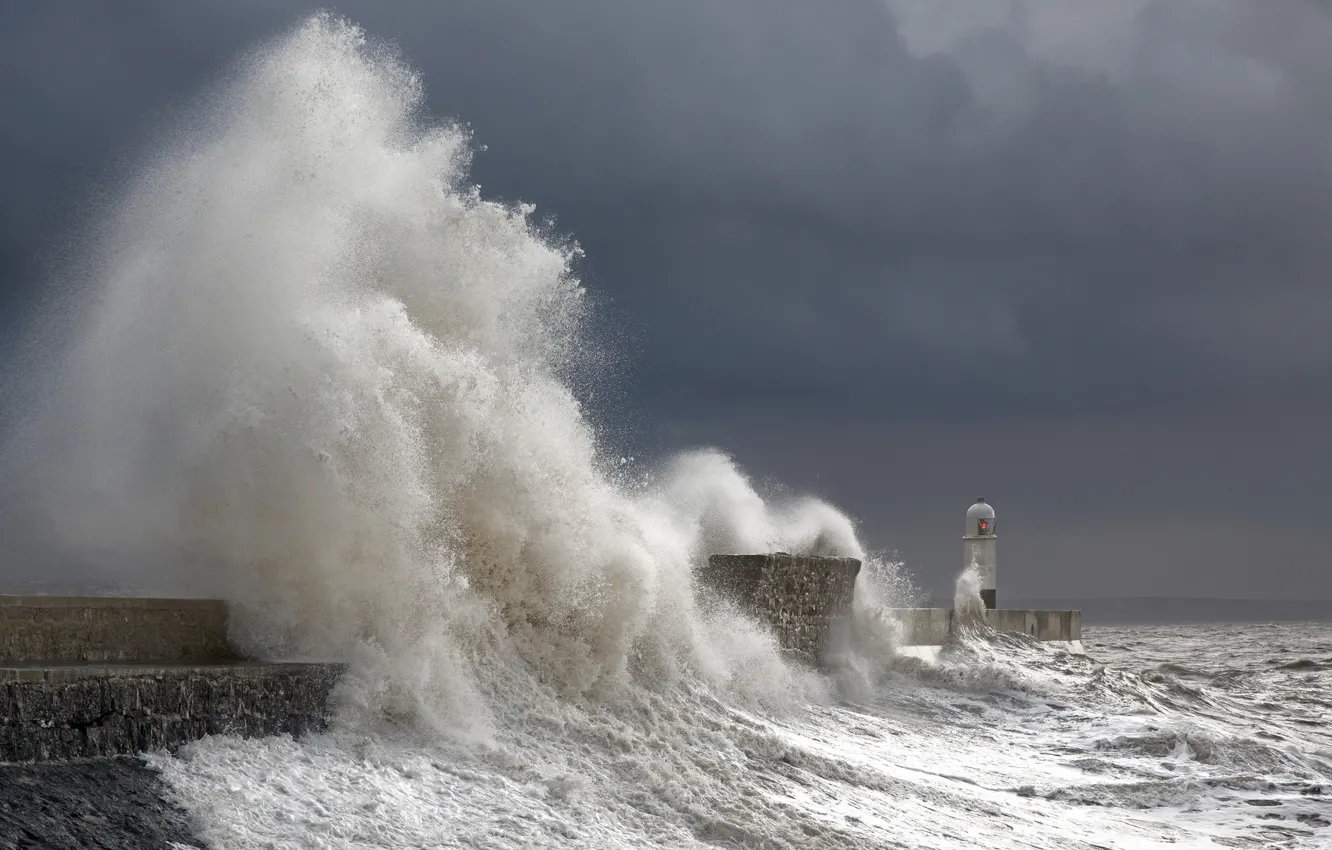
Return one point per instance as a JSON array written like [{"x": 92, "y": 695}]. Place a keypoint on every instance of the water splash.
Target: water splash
[
  {"x": 968, "y": 608},
  {"x": 314, "y": 371}
]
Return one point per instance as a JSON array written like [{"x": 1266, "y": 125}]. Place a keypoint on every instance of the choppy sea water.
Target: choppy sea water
[{"x": 1161, "y": 736}]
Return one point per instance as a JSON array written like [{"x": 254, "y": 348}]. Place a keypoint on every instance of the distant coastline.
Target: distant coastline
[{"x": 1162, "y": 610}]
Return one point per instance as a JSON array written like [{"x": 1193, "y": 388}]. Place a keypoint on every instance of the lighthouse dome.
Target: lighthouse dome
[{"x": 980, "y": 519}]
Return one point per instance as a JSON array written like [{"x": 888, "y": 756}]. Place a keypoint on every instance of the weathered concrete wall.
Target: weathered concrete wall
[
  {"x": 801, "y": 597},
  {"x": 72, "y": 629},
  {"x": 931, "y": 626},
  {"x": 924, "y": 626},
  {"x": 1042, "y": 625},
  {"x": 85, "y": 711}
]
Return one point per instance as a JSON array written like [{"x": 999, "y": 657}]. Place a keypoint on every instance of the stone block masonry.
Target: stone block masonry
[
  {"x": 923, "y": 626},
  {"x": 86, "y": 711},
  {"x": 100, "y": 629},
  {"x": 932, "y": 626},
  {"x": 1061, "y": 626},
  {"x": 802, "y": 597},
  {"x": 85, "y": 677}
]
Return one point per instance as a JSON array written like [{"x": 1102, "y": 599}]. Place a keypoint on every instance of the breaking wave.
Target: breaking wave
[{"x": 313, "y": 370}]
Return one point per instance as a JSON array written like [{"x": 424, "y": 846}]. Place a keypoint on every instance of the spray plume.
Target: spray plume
[{"x": 315, "y": 372}]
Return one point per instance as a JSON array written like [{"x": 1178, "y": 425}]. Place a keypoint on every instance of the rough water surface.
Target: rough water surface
[{"x": 1157, "y": 738}]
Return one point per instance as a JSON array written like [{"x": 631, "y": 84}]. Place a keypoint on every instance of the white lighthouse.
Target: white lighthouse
[{"x": 978, "y": 545}]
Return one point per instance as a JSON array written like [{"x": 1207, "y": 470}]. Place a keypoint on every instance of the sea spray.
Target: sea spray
[
  {"x": 968, "y": 608},
  {"x": 862, "y": 649},
  {"x": 316, "y": 372}
]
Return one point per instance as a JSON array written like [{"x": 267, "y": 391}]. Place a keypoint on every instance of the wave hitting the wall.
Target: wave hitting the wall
[{"x": 304, "y": 364}]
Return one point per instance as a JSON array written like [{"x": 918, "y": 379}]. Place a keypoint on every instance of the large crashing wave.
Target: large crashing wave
[{"x": 317, "y": 372}]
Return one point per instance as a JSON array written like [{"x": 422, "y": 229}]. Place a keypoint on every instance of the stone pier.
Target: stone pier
[
  {"x": 931, "y": 626},
  {"x": 82, "y": 677}
]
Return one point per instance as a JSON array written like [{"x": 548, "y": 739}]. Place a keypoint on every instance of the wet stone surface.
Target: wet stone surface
[
  {"x": 64, "y": 713},
  {"x": 105, "y": 804},
  {"x": 802, "y": 597}
]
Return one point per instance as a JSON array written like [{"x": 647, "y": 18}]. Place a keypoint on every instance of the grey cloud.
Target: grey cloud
[
  {"x": 898, "y": 208},
  {"x": 920, "y": 215},
  {"x": 81, "y": 87},
  {"x": 901, "y": 215}
]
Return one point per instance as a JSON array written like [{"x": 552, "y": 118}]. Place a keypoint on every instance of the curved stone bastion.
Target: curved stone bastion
[
  {"x": 802, "y": 597},
  {"x": 88, "y": 676}
]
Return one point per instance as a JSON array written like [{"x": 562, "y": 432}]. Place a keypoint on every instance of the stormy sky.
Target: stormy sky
[{"x": 1072, "y": 256}]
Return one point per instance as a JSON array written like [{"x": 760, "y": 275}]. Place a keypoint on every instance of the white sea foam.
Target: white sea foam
[{"x": 967, "y": 602}]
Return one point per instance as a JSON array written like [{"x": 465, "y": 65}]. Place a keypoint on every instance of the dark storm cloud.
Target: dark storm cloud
[
  {"x": 839, "y": 205},
  {"x": 843, "y": 217},
  {"x": 1015, "y": 213},
  {"x": 81, "y": 87}
]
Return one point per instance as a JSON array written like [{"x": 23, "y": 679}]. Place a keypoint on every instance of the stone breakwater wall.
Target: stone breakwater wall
[
  {"x": 932, "y": 626},
  {"x": 807, "y": 600},
  {"x": 89, "y": 711},
  {"x": 75, "y": 629},
  {"x": 804, "y": 598},
  {"x": 1042, "y": 625},
  {"x": 85, "y": 677}
]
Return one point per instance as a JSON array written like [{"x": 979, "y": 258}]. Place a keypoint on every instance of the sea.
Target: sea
[
  {"x": 298, "y": 361},
  {"x": 1197, "y": 736}
]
